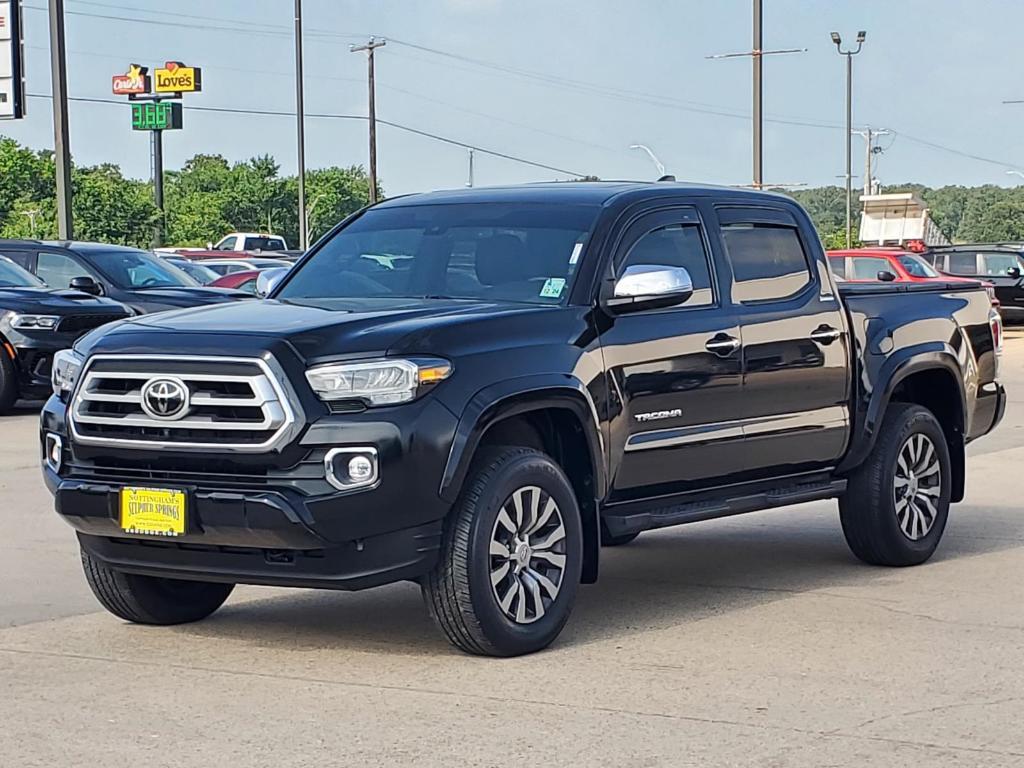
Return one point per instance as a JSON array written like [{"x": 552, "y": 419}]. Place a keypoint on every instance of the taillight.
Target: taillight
[{"x": 996, "y": 323}]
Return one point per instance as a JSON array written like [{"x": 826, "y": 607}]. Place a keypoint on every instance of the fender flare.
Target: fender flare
[{"x": 897, "y": 368}]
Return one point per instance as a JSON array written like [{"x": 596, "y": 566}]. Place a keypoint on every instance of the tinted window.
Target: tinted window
[
  {"x": 22, "y": 258},
  {"x": 998, "y": 264},
  {"x": 917, "y": 266},
  {"x": 13, "y": 276},
  {"x": 127, "y": 268},
  {"x": 57, "y": 269},
  {"x": 867, "y": 267},
  {"x": 263, "y": 244},
  {"x": 963, "y": 264},
  {"x": 677, "y": 245},
  {"x": 768, "y": 261},
  {"x": 491, "y": 252}
]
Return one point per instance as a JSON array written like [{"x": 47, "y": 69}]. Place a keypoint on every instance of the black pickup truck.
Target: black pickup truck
[{"x": 477, "y": 389}]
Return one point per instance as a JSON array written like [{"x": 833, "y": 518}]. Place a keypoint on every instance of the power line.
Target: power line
[{"x": 337, "y": 116}]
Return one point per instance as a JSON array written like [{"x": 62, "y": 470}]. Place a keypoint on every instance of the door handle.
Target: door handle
[
  {"x": 722, "y": 345},
  {"x": 825, "y": 334}
]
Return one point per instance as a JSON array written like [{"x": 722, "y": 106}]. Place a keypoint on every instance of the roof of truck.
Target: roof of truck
[{"x": 580, "y": 193}]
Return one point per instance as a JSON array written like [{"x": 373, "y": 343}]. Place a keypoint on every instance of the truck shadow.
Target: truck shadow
[{"x": 664, "y": 579}]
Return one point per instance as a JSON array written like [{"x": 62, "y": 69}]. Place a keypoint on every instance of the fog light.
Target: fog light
[
  {"x": 349, "y": 468},
  {"x": 54, "y": 451}
]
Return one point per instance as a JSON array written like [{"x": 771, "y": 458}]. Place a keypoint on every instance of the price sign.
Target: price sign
[{"x": 156, "y": 116}]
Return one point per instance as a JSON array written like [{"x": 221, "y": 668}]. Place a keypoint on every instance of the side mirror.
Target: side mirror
[
  {"x": 1014, "y": 272},
  {"x": 650, "y": 286},
  {"x": 885, "y": 276},
  {"x": 268, "y": 280},
  {"x": 86, "y": 284}
]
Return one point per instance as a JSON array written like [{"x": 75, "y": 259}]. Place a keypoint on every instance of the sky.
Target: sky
[{"x": 569, "y": 84}]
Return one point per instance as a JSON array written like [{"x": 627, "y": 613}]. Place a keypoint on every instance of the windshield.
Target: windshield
[
  {"x": 13, "y": 276},
  {"x": 484, "y": 251},
  {"x": 197, "y": 272},
  {"x": 138, "y": 269},
  {"x": 916, "y": 266}
]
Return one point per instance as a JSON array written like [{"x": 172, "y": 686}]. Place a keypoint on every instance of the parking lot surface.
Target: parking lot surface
[{"x": 756, "y": 640}]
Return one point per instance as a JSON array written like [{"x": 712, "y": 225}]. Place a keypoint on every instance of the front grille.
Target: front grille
[
  {"x": 232, "y": 403},
  {"x": 81, "y": 323}
]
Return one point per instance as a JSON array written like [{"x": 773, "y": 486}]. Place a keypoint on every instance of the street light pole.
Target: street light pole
[
  {"x": 370, "y": 47},
  {"x": 755, "y": 53},
  {"x": 849, "y": 54},
  {"x": 61, "y": 134},
  {"x": 301, "y": 128}
]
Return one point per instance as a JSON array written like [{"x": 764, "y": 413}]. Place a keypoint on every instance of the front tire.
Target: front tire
[
  {"x": 511, "y": 556},
  {"x": 8, "y": 383},
  {"x": 152, "y": 600},
  {"x": 896, "y": 505}
]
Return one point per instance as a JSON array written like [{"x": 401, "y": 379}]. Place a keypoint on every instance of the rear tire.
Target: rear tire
[
  {"x": 8, "y": 383},
  {"x": 511, "y": 556},
  {"x": 896, "y": 505},
  {"x": 152, "y": 600}
]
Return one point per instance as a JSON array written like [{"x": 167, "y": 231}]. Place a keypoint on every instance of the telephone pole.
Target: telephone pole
[
  {"x": 849, "y": 53},
  {"x": 469, "y": 181},
  {"x": 870, "y": 136},
  {"x": 301, "y": 128},
  {"x": 370, "y": 47},
  {"x": 756, "y": 54},
  {"x": 61, "y": 137}
]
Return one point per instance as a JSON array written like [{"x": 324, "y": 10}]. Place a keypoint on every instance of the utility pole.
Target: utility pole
[
  {"x": 469, "y": 181},
  {"x": 756, "y": 54},
  {"x": 32, "y": 213},
  {"x": 870, "y": 136},
  {"x": 61, "y": 135},
  {"x": 849, "y": 54},
  {"x": 370, "y": 47},
  {"x": 300, "y": 114}
]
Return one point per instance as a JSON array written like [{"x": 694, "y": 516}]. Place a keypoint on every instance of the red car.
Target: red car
[
  {"x": 240, "y": 281},
  {"x": 860, "y": 264}
]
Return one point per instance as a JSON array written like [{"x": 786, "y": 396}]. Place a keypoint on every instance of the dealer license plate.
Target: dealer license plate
[{"x": 154, "y": 511}]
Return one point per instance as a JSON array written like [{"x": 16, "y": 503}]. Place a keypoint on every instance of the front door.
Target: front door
[
  {"x": 796, "y": 367},
  {"x": 674, "y": 373}
]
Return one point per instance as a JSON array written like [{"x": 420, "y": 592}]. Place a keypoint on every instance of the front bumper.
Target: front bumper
[{"x": 271, "y": 519}]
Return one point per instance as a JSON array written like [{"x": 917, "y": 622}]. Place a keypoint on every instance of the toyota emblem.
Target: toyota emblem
[{"x": 165, "y": 398}]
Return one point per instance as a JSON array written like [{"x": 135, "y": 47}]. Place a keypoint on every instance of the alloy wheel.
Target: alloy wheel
[
  {"x": 917, "y": 486},
  {"x": 527, "y": 554}
]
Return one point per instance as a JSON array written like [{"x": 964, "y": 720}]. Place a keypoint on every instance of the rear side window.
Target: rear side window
[
  {"x": 963, "y": 264},
  {"x": 867, "y": 267},
  {"x": 676, "y": 245},
  {"x": 768, "y": 261}
]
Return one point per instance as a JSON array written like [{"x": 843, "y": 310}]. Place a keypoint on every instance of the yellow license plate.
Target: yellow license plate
[{"x": 155, "y": 511}]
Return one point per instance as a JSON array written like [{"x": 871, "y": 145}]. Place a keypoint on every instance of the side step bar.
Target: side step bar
[{"x": 696, "y": 511}]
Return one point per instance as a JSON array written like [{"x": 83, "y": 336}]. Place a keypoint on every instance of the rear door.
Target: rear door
[
  {"x": 796, "y": 379},
  {"x": 674, "y": 373}
]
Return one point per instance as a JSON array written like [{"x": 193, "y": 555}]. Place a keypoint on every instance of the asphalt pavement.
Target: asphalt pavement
[{"x": 756, "y": 640}]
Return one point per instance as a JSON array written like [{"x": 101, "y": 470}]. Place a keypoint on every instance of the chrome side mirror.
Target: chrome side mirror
[
  {"x": 268, "y": 280},
  {"x": 650, "y": 286}
]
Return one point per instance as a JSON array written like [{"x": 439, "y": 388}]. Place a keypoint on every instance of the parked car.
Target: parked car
[
  {"x": 530, "y": 372},
  {"x": 239, "y": 245},
  {"x": 245, "y": 280},
  {"x": 1000, "y": 265},
  {"x": 893, "y": 265},
  {"x": 36, "y": 322},
  {"x": 227, "y": 266},
  {"x": 201, "y": 274},
  {"x": 144, "y": 282}
]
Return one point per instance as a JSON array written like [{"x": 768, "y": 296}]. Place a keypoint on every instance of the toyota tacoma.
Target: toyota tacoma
[{"x": 476, "y": 389}]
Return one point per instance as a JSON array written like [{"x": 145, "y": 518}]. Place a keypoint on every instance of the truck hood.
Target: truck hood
[
  {"x": 50, "y": 301},
  {"x": 342, "y": 327}
]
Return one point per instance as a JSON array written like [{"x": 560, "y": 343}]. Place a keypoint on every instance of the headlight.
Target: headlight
[
  {"x": 377, "y": 382},
  {"x": 37, "y": 322},
  {"x": 67, "y": 364}
]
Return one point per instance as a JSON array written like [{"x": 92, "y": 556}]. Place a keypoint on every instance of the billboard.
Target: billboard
[
  {"x": 12, "y": 90},
  {"x": 175, "y": 77}
]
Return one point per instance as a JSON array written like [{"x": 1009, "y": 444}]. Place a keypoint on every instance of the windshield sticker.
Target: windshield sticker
[
  {"x": 553, "y": 287},
  {"x": 576, "y": 251}
]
